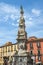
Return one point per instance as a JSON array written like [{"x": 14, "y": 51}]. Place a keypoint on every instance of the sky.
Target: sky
[{"x": 10, "y": 15}]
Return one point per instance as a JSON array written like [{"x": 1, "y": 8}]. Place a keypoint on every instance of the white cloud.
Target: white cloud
[
  {"x": 36, "y": 12},
  {"x": 13, "y": 24},
  {"x": 29, "y": 23},
  {"x": 8, "y": 11},
  {"x": 0, "y": 40},
  {"x": 30, "y": 18},
  {"x": 6, "y": 18},
  {"x": 12, "y": 17},
  {"x": 8, "y": 36},
  {"x": 37, "y": 33},
  {"x": 18, "y": 20},
  {"x": 8, "y": 8}
]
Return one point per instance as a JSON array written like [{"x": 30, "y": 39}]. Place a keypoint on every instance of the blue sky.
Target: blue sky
[{"x": 10, "y": 14}]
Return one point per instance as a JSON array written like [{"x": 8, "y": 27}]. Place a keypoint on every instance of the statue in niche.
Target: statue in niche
[{"x": 22, "y": 47}]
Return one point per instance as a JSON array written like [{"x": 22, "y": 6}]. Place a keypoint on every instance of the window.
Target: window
[
  {"x": 38, "y": 52},
  {"x": 15, "y": 47},
  {"x": 31, "y": 52},
  {"x": 9, "y": 49},
  {"x": 6, "y": 50},
  {"x": 3, "y": 50},
  {"x": 1, "y": 53},
  {"x": 38, "y": 44},
  {"x": 31, "y": 45},
  {"x": 39, "y": 58}
]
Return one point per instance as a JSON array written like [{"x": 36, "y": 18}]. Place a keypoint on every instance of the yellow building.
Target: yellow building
[{"x": 7, "y": 50}]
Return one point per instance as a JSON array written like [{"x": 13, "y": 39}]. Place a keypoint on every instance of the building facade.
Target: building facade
[
  {"x": 35, "y": 48},
  {"x": 7, "y": 50}
]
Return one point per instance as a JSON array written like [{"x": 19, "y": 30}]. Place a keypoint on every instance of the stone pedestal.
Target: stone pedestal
[{"x": 22, "y": 58}]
